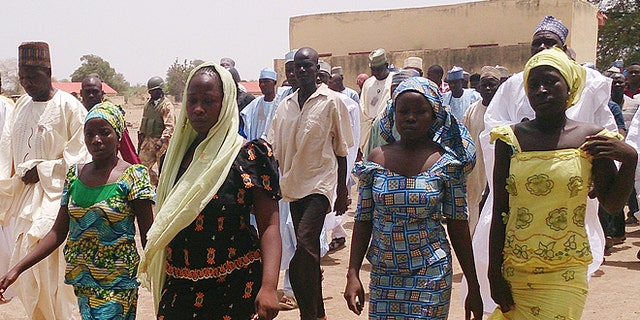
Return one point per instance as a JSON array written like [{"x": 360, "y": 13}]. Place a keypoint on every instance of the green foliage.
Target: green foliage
[
  {"x": 619, "y": 38},
  {"x": 92, "y": 64},
  {"x": 177, "y": 75}
]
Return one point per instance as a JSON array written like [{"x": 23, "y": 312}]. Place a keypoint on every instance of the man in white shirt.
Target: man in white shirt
[
  {"x": 375, "y": 93},
  {"x": 310, "y": 134},
  {"x": 458, "y": 99}
]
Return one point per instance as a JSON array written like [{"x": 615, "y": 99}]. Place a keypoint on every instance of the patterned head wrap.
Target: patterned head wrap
[
  {"x": 114, "y": 114},
  {"x": 555, "y": 26},
  {"x": 572, "y": 72},
  {"x": 451, "y": 136},
  {"x": 34, "y": 54},
  {"x": 403, "y": 75}
]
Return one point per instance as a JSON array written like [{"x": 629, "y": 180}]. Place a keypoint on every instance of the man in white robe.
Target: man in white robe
[
  {"x": 333, "y": 221},
  {"x": 458, "y": 99},
  {"x": 336, "y": 83},
  {"x": 44, "y": 138},
  {"x": 6, "y": 242},
  {"x": 510, "y": 105},
  {"x": 256, "y": 115},
  {"x": 473, "y": 119},
  {"x": 376, "y": 91}
]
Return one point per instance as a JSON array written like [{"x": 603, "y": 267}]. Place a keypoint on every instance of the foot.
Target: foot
[
  {"x": 288, "y": 303},
  {"x": 337, "y": 243},
  {"x": 618, "y": 240},
  {"x": 631, "y": 220}
]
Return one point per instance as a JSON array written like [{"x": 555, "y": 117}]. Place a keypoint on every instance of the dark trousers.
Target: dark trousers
[
  {"x": 304, "y": 269},
  {"x": 612, "y": 224},
  {"x": 633, "y": 204}
]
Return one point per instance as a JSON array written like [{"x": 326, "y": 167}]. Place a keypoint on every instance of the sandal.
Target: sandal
[
  {"x": 288, "y": 303},
  {"x": 337, "y": 243}
]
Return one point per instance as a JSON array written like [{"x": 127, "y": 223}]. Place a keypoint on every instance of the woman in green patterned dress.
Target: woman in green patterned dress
[{"x": 100, "y": 201}]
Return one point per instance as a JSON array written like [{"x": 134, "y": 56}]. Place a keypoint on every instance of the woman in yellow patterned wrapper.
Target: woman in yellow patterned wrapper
[{"x": 544, "y": 171}]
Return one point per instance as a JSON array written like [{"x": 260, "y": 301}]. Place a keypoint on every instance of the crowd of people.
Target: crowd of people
[{"x": 526, "y": 176}]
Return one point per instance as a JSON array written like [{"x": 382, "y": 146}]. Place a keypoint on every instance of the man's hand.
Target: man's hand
[
  {"x": 140, "y": 139},
  {"x": 31, "y": 176},
  {"x": 342, "y": 200},
  {"x": 159, "y": 143}
]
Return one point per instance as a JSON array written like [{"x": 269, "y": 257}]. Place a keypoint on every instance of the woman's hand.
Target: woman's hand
[
  {"x": 354, "y": 294},
  {"x": 473, "y": 304},
  {"x": 7, "y": 280},
  {"x": 501, "y": 293},
  {"x": 267, "y": 304},
  {"x": 611, "y": 148}
]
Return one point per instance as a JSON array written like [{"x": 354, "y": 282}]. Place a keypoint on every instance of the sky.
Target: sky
[{"x": 142, "y": 38}]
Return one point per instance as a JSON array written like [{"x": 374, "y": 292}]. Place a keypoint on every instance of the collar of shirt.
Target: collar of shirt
[{"x": 322, "y": 90}]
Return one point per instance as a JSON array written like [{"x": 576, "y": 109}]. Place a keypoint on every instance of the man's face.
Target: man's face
[
  {"x": 267, "y": 86},
  {"x": 544, "y": 40},
  {"x": 91, "y": 92},
  {"x": 456, "y": 86},
  {"x": 156, "y": 94},
  {"x": 290, "y": 74},
  {"x": 487, "y": 89},
  {"x": 617, "y": 84},
  {"x": 305, "y": 68},
  {"x": 323, "y": 77},
  {"x": 435, "y": 77},
  {"x": 633, "y": 74},
  {"x": 335, "y": 82},
  {"x": 36, "y": 81},
  {"x": 380, "y": 72}
]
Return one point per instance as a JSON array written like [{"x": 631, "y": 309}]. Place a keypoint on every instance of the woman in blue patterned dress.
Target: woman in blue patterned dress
[
  {"x": 100, "y": 201},
  {"x": 406, "y": 188}
]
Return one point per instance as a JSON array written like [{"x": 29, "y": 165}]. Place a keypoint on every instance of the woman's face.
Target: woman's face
[
  {"x": 548, "y": 92},
  {"x": 414, "y": 115},
  {"x": 100, "y": 138},
  {"x": 204, "y": 101}
]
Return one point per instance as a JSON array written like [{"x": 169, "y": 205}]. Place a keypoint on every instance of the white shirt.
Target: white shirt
[{"x": 458, "y": 106}]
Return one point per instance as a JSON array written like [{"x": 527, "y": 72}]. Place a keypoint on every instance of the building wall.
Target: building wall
[{"x": 445, "y": 29}]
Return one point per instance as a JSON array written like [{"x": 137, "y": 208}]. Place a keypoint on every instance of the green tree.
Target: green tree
[
  {"x": 619, "y": 38},
  {"x": 177, "y": 75},
  {"x": 92, "y": 64}
]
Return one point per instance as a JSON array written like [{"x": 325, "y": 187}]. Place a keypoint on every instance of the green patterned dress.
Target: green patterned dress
[{"x": 102, "y": 259}]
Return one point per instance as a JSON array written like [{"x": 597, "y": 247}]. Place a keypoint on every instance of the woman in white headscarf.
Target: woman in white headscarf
[{"x": 203, "y": 258}]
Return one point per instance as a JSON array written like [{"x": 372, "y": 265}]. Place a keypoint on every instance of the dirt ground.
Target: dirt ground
[{"x": 614, "y": 290}]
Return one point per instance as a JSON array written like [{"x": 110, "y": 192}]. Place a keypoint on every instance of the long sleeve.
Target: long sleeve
[{"x": 169, "y": 119}]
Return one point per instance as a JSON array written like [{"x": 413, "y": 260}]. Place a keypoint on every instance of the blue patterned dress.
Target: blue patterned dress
[
  {"x": 410, "y": 256},
  {"x": 101, "y": 254}
]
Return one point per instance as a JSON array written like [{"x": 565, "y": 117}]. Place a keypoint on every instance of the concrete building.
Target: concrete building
[{"x": 469, "y": 35}]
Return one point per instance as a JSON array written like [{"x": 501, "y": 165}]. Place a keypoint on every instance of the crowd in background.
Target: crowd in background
[{"x": 516, "y": 172}]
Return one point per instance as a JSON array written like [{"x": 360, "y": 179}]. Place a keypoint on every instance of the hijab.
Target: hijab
[{"x": 179, "y": 202}]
